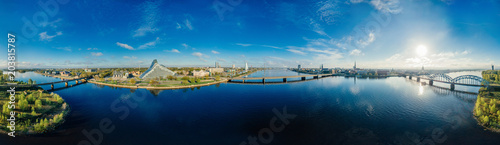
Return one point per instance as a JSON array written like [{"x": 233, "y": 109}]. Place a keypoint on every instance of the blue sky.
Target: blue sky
[{"x": 436, "y": 34}]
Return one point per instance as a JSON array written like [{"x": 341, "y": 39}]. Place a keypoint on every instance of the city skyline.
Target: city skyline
[{"x": 376, "y": 34}]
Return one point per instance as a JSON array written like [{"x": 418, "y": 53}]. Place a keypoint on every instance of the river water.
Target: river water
[{"x": 333, "y": 110}]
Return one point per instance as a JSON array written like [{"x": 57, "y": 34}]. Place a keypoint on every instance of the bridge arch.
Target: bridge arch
[
  {"x": 469, "y": 79},
  {"x": 441, "y": 77}
]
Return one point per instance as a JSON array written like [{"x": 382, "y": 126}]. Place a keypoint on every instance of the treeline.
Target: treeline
[{"x": 493, "y": 76}]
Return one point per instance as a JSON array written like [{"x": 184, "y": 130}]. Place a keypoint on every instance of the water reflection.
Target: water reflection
[
  {"x": 420, "y": 90},
  {"x": 331, "y": 110}
]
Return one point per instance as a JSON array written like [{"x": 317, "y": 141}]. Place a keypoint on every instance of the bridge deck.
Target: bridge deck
[
  {"x": 279, "y": 77},
  {"x": 57, "y": 82},
  {"x": 450, "y": 82}
]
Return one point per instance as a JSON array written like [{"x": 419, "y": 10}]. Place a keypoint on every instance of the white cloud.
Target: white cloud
[
  {"x": 142, "y": 31},
  {"x": 296, "y": 51},
  {"x": 64, "y": 48},
  {"x": 96, "y": 53},
  {"x": 150, "y": 17},
  {"x": 178, "y": 26},
  {"x": 356, "y": 1},
  {"x": 149, "y": 44},
  {"x": 129, "y": 57},
  {"x": 356, "y": 52},
  {"x": 91, "y": 48},
  {"x": 244, "y": 45},
  {"x": 215, "y": 52},
  {"x": 394, "y": 57},
  {"x": 220, "y": 59},
  {"x": 465, "y": 52},
  {"x": 275, "y": 47},
  {"x": 388, "y": 6},
  {"x": 45, "y": 36},
  {"x": 200, "y": 55},
  {"x": 126, "y": 46},
  {"x": 188, "y": 24},
  {"x": 53, "y": 24},
  {"x": 370, "y": 39},
  {"x": 173, "y": 50}
]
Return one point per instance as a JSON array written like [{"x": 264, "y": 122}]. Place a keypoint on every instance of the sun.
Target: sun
[{"x": 421, "y": 50}]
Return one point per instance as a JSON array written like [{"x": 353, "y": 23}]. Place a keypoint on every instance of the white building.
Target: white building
[
  {"x": 246, "y": 66},
  {"x": 200, "y": 73}
]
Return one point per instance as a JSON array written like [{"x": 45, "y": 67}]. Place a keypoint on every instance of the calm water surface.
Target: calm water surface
[{"x": 334, "y": 110}]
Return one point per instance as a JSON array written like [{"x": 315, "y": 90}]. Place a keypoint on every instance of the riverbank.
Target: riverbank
[
  {"x": 486, "y": 111},
  {"x": 158, "y": 88},
  {"x": 57, "y": 76}
]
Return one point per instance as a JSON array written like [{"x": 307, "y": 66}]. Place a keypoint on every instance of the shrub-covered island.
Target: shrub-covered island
[
  {"x": 487, "y": 109},
  {"x": 36, "y": 111}
]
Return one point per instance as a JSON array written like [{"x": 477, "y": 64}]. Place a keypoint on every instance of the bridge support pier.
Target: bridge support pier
[
  {"x": 418, "y": 79},
  {"x": 431, "y": 82},
  {"x": 66, "y": 84},
  {"x": 263, "y": 80},
  {"x": 303, "y": 78},
  {"x": 409, "y": 77},
  {"x": 242, "y": 81},
  {"x": 284, "y": 80},
  {"x": 315, "y": 77},
  {"x": 452, "y": 86},
  {"x": 76, "y": 81},
  {"x": 52, "y": 86}
]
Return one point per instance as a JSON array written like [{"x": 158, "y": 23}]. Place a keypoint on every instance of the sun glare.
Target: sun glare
[{"x": 421, "y": 50}]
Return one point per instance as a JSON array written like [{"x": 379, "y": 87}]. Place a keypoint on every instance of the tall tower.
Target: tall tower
[
  {"x": 246, "y": 66},
  {"x": 354, "y": 65},
  {"x": 492, "y": 67}
]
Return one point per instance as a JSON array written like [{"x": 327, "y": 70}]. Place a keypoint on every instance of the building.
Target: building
[
  {"x": 246, "y": 66},
  {"x": 217, "y": 65},
  {"x": 298, "y": 67},
  {"x": 362, "y": 72},
  {"x": 234, "y": 66},
  {"x": 215, "y": 70},
  {"x": 354, "y": 67},
  {"x": 90, "y": 70},
  {"x": 157, "y": 70},
  {"x": 321, "y": 67},
  {"x": 135, "y": 73},
  {"x": 65, "y": 73},
  {"x": 200, "y": 73},
  {"x": 120, "y": 74},
  {"x": 383, "y": 72},
  {"x": 492, "y": 67},
  {"x": 55, "y": 72}
]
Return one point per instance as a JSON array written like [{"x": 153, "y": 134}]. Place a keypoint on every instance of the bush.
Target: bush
[
  {"x": 132, "y": 81},
  {"x": 38, "y": 104},
  {"x": 217, "y": 78},
  {"x": 153, "y": 82},
  {"x": 185, "y": 78}
]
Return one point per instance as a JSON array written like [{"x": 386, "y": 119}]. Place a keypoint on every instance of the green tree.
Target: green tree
[
  {"x": 38, "y": 104},
  {"x": 30, "y": 81},
  {"x": 132, "y": 81},
  {"x": 217, "y": 78},
  {"x": 33, "y": 112}
]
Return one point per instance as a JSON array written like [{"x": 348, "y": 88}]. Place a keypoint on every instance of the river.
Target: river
[{"x": 333, "y": 110}]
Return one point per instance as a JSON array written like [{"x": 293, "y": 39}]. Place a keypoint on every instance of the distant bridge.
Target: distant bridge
[
  {"x": 78, "y": 80},
  {"x": 465, "y": 80},
  {"x": 302, "y": 78}
]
